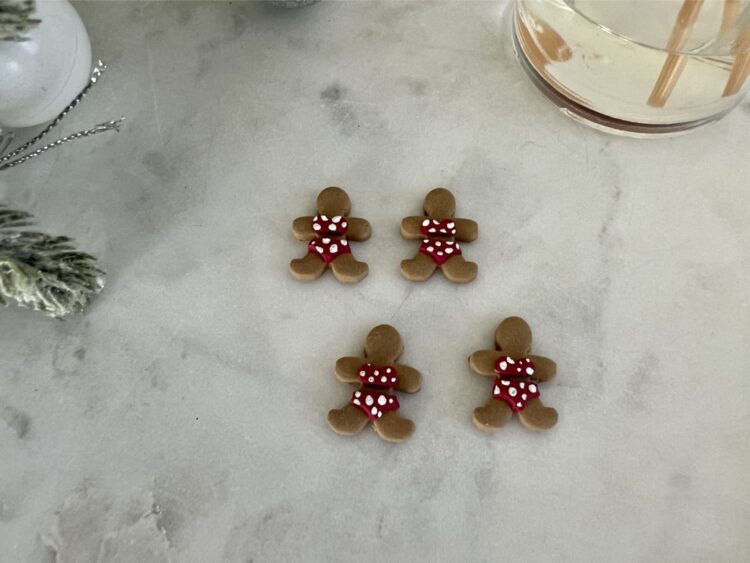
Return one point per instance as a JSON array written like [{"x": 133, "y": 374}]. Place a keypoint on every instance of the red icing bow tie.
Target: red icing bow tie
[
  {"x": 522, "y": 367},
  {"x": 379, "y": 376}
]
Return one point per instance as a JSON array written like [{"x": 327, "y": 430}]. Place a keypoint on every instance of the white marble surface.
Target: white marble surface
[{"x": 183, "y": 417}]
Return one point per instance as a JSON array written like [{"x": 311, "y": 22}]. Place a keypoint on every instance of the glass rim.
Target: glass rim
[{"x": 703, "y": 50}]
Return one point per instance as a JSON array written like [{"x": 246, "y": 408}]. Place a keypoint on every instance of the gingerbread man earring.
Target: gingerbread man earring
[
  {"x": 440, "y": 233},
  {"x": 328, "y": 234},
  {"x": 375, "y": 377},
  {"x": 517, "y": 376}
]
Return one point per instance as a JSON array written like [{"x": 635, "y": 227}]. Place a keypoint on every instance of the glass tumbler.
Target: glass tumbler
[{"x": 637, "y": 67}]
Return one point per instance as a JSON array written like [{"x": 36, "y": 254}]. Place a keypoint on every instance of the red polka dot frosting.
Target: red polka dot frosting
[
  {"x": 515, "y": 384},
  {"x": 374, "y": 403},
  {"x": 522, "y": 367},
  {"x": 439, "y": 250},
  {"x": 336, "y": 225},
  {"x": 378, "y": 376},
  {"x": 328, "y": 248},
  {"x": 434, "y": 228}
]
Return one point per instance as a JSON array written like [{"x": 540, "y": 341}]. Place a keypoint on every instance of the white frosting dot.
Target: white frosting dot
[
  {"x": 334, "y": 248},
  {"x": 319, "y": 249},
  {"x": 512, "y": 392},
  {"x": 362, "y": 373},
  {"x": 497, "y": 390},
  {"x": 326, "y": 240},
  {"x": 384, "y": 379},
  {"x": 336, "y": 219},
  {"x": 519, "y": 405},
  {"x": 344, "y": 243},
  {"x": 381, "y": 400},
  {"x": 505, "y": 382},
  {"x": 530, "y": 371},
  {"x": 357, "y": 393},
  {"x": 425, "y": 222},
  {"x": 343, "y": 224},
  {"x": 380, "y": 414},
  {"x": 376, "y": 372},
  {"x": 449, "y": 251},
  {"x": 356, "y": 402},
  {"x": 511, "y": 361},
  {"x": 438, "y": 243},
  {"x": 503, "y": 365},
  {"x": 323, "y": 218},
  {"x": 393, "y": 380},
  {"x": 390, "y": 400},
  {"x": 440, "y": 253},
  {"x": 451, "y": 225},
  {"x": 432, "y": 230},
  {"x": 522, "y": 385},
  {"x": 387, "y": 370},
  {"x": 371, "y": 379},
  {"x": 369, "y": 400},
  {"x": 374, "y": 410},
  {"x": 532, "y": 388},
  {"x": 429, "y": 249},
  {"x": 523, "y": 396},
  {"x": 316, "y": 226}
]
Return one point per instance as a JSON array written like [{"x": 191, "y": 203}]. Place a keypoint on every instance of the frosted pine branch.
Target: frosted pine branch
[
  {"x": 16, "y": 20},
  {"x": 43, "y": 272}
]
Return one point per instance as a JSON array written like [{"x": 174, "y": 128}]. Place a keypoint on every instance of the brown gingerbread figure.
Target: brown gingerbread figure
[
  {"x": 440, "y": 233},
  {"x": 328, "y": 234},
  {"x": 517, "y": 376},
  {"x": 375, "y": 376}
]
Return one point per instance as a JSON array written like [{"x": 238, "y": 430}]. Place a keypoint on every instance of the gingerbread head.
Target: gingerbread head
[
  {"x": 517, "y": 374},
  {"x": 440, "y": 233},
  {"x": 376, "y": 376},
  {"x": 328, "y": 234}
]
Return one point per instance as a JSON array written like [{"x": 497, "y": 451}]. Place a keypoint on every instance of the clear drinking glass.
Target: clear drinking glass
[{"x": 637, "y": 67}]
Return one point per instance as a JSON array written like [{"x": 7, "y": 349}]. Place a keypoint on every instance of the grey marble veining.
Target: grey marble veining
[{"x": 183, "y": 417}]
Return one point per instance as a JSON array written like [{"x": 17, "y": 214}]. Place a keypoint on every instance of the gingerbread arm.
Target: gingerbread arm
[
  {"x": 347, "y": 369},
  {"x": 411, "y": 227},
  {"x": 302, "y": 227},
  {"x": 466, "y": 230},
  {"x": 409, "y": 379},
  {"x": 359, "y": 229},
  {"x": 544, "y": 368},
  {"x": 483, "y": 362}
]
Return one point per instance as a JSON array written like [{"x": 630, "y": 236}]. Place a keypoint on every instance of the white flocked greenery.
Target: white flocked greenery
[
  {"x": 43, "y": 272},
  {"x": 16, "y": 19}
]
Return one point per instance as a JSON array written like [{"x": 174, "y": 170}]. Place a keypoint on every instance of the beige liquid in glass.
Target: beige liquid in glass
[{"x": 600, "y": 60}]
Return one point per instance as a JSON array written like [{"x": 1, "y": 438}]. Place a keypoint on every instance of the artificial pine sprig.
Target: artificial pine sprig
[
  {"x": 43, "y": 272},
  {"x": 16, "y": 20}
]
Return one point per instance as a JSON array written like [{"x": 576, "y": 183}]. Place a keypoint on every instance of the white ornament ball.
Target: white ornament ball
[{"x": 42, "y": 75}]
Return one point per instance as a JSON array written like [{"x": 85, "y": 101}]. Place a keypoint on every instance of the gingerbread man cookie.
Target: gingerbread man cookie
[
  {"x": 375, "y": 377},
  {"x": 328, "y": 234},
  {"x": 517, "y": 376},
  {"x": 440, "y": 234}
]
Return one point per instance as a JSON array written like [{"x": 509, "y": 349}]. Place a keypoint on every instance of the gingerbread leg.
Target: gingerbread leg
[
  {"x": 348, "y": 270},
  {"x": 419, "y": 268},
  {"x": 348, "y": 421},
  {"x": 492, "y": 415},
  {"x": 536, "y": 416},
  {"x": 458, "y": 270},
  {"x": 309, "y": 268},
  {"x": 392, "y": 427}
]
